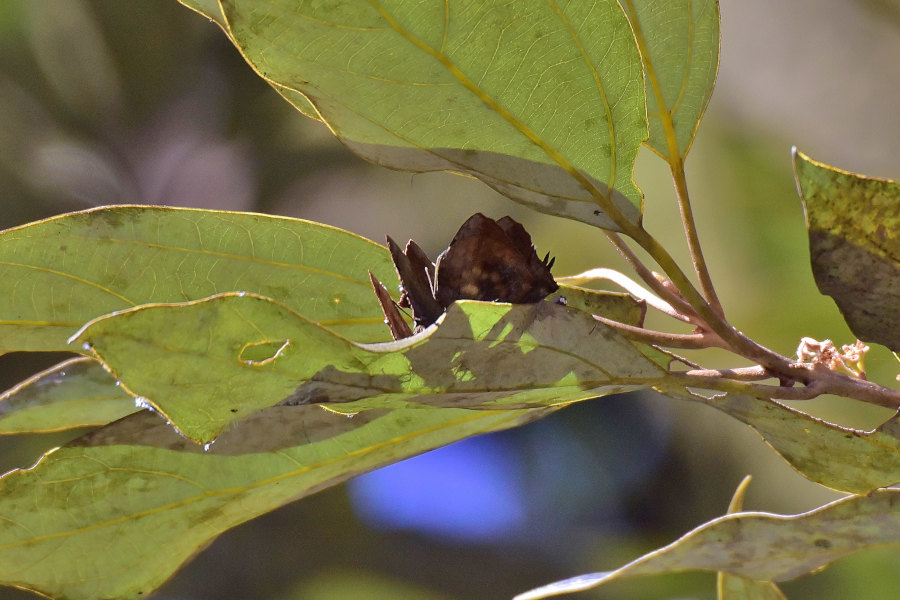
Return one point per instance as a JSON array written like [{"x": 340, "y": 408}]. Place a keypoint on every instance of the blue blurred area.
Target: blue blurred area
[
  {"x": 540, "y": 484},
  {"x": 469, "y": 491}
]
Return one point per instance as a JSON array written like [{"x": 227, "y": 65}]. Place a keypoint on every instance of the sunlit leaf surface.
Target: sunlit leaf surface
[
  {"x": 57, "y": 274},
  {"x": 234, "y": 354},
  {"x": 211, "y": 10},
  {"x": 208, "y": 8},
  {"x": 542, "y": 101},
  {"x": 854, "y": 245},
  {"x": 680, "y": 49}
]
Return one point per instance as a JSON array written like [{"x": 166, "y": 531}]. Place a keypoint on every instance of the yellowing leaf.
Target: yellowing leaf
[
  {"x": 838, "y": 457},
  {"x": 854, "y": 244},
  {"x": 735, "y": 587},
  {"x": 762, "y": 546}
]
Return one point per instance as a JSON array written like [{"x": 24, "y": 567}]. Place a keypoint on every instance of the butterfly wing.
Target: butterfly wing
[
  {"x": 393, "y": 318},
  {"x": 416, "y": 274},
  {"x": 484, "y": 262}
]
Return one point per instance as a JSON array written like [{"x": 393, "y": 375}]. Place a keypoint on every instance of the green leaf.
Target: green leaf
[
  {"x": 115, "y": 521},
  {"x": 480, "y": 355},
  {"x": 80, "y": 393},
  {"x": 838, "y": 457},
  {"x": 762, "y": 546},
  {"x": 542, "y": 101},
  {"x": 735, "y": 587},
  {"x": 57, "y": 274},
  {"x": 679, "y": 41},
  {"x": 491, "y": 355},
  {"x": 225, "y": 357},
  {"x": 854, "y": 245},
  {"x": 74, "y": 393},
  {"x": 612, "y": 305}
]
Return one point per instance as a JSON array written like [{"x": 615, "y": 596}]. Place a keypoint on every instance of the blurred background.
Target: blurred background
[{"x": 145, "y": 102}]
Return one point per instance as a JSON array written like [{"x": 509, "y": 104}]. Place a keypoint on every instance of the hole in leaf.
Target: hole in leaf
[{"x": 262, "y": 353}]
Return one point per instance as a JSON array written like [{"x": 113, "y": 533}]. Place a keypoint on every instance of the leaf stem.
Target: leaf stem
[
  {"x": 703, "y": 307},
  {"x": 663, "y": 338},
  {"x": 675, "y": 158},
  {"x": 733, "y": 339},
  {"x": 691, "y": 302},
  {"x": 676, "y": 164},
  {"x": 678, "y": 302},
  {"x": 756, "y": 373}
]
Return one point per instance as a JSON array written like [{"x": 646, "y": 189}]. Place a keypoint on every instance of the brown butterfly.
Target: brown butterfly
[{"x": 486, "y": 260}]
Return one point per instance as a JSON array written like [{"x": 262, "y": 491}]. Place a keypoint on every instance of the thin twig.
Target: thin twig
[
  {"x": 734, "y": 340},
  {"x": 690, "y": 341},
  {"x": 814, "y": 381},
  {"x": 676, "y": 164},
  {"x": 680, "y": 304},
  {"x": 756, "y": 373},
  {"x": 675, "y": 159}
]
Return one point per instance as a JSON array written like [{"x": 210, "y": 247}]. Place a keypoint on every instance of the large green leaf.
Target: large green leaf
[
  {"x": 235, "y": 353},
  {"x": 115, "y": 521},
  {"x": 542, "y": 101},
  {"x": 838, "y": 457},
  {"x": 488, "y": 355},
  {"x": 57, "y": 274},
  {"x": 481, "y": 355},
  {"x": 80, "y": 393},
  {"x": 762, "y": 546},
  {"x": 208, "y": 363},
  {"x": 854, "y": 245},
  {"x": 679, "y": 41},
  {"x": 75, "y": 393}
]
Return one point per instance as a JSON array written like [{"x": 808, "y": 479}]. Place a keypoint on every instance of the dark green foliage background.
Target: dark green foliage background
[{"x": 97, "y": 97}]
